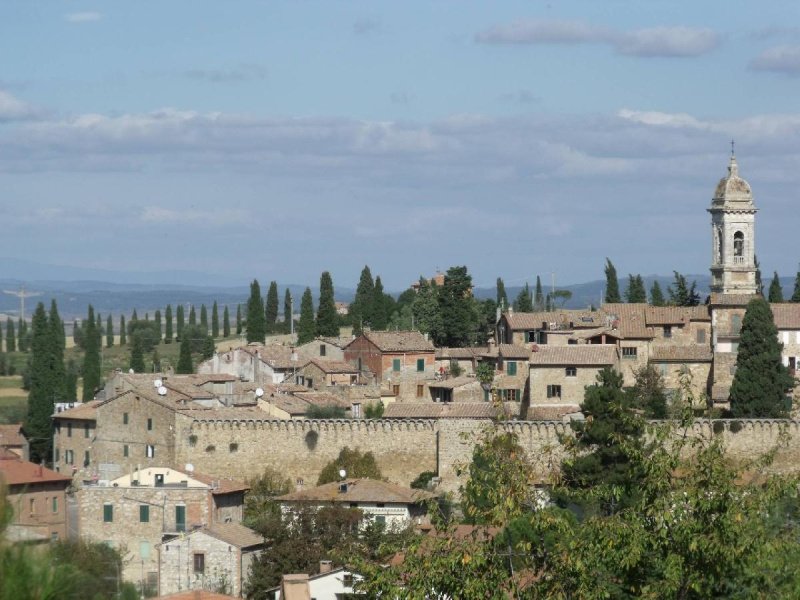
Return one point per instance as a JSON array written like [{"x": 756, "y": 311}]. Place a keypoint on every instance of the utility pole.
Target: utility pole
[
  {"x": 22, "y": 293},
  {"x": 291, "y": 313}
]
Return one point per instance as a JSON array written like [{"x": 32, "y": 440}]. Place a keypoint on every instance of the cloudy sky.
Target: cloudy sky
[{"x": 279, "y": 139}]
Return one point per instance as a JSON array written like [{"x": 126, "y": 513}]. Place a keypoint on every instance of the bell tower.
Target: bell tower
[{"x": 733, "y": 266}]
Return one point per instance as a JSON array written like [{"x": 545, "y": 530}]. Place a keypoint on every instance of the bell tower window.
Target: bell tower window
[{"x": 738, "y": 246}]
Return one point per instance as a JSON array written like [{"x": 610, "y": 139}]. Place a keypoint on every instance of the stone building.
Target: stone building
[
  {"x": 262, "y": 364},
  {"x": 554, "y": 328},
  {"x": 326, "y": 348},
  {"x": 73, "y": 433},
  {"x": 320, "y": 374},
  {"x": 463, "y": 361},
  {"x": 13, "y": 439}
]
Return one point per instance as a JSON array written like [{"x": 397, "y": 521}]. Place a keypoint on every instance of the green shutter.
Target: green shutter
[
  {"x": 108, "y": 513},
  {"x": 180, "y": 518},
  {"x": 420, "y": 365},
  {"x": 396, "y": 364},
  {"x": 511, "y": 368},
  {"x": 144, "y": 513}
]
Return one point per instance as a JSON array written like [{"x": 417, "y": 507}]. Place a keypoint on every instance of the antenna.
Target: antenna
[
  {"x": 22, "y": 293},
  {"x": 733, "y": 148}
]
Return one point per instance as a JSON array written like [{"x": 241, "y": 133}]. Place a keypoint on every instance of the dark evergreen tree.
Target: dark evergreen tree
[
  {"x": 271, "y": 307},
  {"x": 759, "y": 281},
  {"x": 327, "y": 319},
  {"x": 168, "y": 324},
  {"x": 796, "y": 290},
  {"x": 524, "y": 300},
  {"x": 134, "y": 318},
  {"x": 71, "y": 382},
  {"x": 761, "y": 383},
  {"x": 122, "y": 331},
  {"x": 287, "y": 311},
  {"x": 656, "y": 295},
  {"x": 192, "y": 315},
  {"x": 92, "y": 370},
  {"x": 256, "y": 321},
  {"x": 77, "y": 334},
  {"x": 23, "y": 336},
  {"x": 43, "y": 387},
  {"x": 11, "y": 339},
  {"x": 612, "y": 283},
  {"x": 109, "y": 332},
  {"x": 156, "y": 360},
  {"x": 548, "y": 303},
  {"x": 58, "y": 344},
  {"x": 185, "y": 366},
  {"x": 501, "y": 297},
  {"x": 215, "y": 320},
  {"x": 306, "y": 328},
  {"x": 425, "y": 309},
  {"x": 775, "y": 289},
  {"x": 380, "y": 306},
  {"x": 635, "y": 293},
  {"x": 359, "y": 312},
  {"x": 683, "y": 294},
  {"x": 137, "y": 354},
  {"x": 208, "y": 347},
  {"x": 648, "y": 393},
  {"x": 457, "y": 308},
  {"x": 226, "y": 322},
  {"x": 538, "y": 298},
  {"x": 157, "y": 320},
  {"x": 99, "y": 327},
  {"x": 238, "y": 319},
  {"x": 203, "y": 317},
  {"x": 179, "y": 321}
]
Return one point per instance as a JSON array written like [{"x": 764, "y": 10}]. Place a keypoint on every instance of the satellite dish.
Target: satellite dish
[
  {"x": 259, "y": 392},
  {"x": 158, "y": 383},
  {"x": 162, "y": 391},
  {"x": 342, "y": 473},
  {"x": 189, "y": 468},
  {"x": 130, "y": 371}
]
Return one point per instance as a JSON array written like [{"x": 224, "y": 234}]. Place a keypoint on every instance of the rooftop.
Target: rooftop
[
  {"x": 441, "y": 410},
  {"x": 15, "y": 471},
  {"x": 399, "y": 341},
  {"x": 577, "y": 355},
  {"x": 359, "y": 490}
]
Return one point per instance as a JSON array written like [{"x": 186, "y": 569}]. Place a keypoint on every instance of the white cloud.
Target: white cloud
[
  {"x": 661, "y": 118},
  {"x": 779, "y": 59},
  {"x": 83, "y": 17},
  {"x": 14, "y": 109},
  {"x": 677, "y": 41}
]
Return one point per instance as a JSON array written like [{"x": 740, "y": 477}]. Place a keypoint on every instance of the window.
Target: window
[
  {"x": 667, "y": 331},
  {"x": 420, "y": 391},
  {"x": 738, "y": 244},
  {"x": 509, "y": 395},
  {"x": 396, "y": 364},
  {"x": 310, "y": 382},
  {"x": 124, "y": 418},
  {"x": 125, "y": 450},
  {"x": 420, "y": 365},
  {"x": 734, "y": 346},
  {"x": 144, "y": 550},
  {"x": 199, "y": 562},
  {"x": 396, "y": 390},
  {"x": 144, "y": 513},
  {"x": 150, "y": 451},
  {"x": 149, "y": 424},
  {"x": 180, "y": 518},
  {"x": 380, "y": 519},
  {"x": 785, "y": 337},
  {"x": 86, "y": 430},
  {"x": 629, "y": 352},
  {"x": 322, "y": 349},
  {"x": 108, "y": 513},
  {"x": 33, "y": 506},
  {"x": 69, "y": 429},
  {"x": 58, "y": 455},
  {"x": 511, "y": 368},
  {"x": 701, "y": 336},
  {"x": 86, "y": 458},
  {"x": 571, "y": 371},
  {"x": 554, "y": 391},
  {"x": 736, "y": 324},
  {"x": 55, "y": 505},
  {"x": 69, "y": 457}
]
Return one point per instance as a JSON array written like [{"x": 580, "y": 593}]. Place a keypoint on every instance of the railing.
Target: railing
[{"x": 738, "y": 260}]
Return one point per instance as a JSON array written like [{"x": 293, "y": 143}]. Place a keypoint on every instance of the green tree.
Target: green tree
[
  {"x": 208, "y": 348},
  {"x": 43, "y": 386},
  {"x": 148, "y": 332},
  {"x": 796, "y": 290},
  {"x": 239, "y": 327},
  {"x": 327, "y": 320},
  {"x": 58, "y": 344},
  {"x": 92, "y": 370},
  {"x": 357, "y": 464},
  {"x": 185, "y": 366},
  {"x": 157, "y": 321},
  {"x": 656, "y": 295},
  {"x": 501, "y": 296},
  {"x": 215, "y": 320},
  {"x": 77, "y": 334},
  {"x": 761, "y": 382},
  {"x": 226, "y": 322},
  {"x": 635, "y": 291},
  {"x": 775, "y": 289},
  {"x": 203, "y": 317},
  {"x": 359, "y": 310},
  {"x": 137, "y": 354},
  {"x": 380, "y": 306},
  {"x": 271, "y": 308},
  {"x": 192, "y": 315},
  {"x": 287, "y": 311},
  {"x": 759, "y": 281},
  {"x": 306, "y": 328},
  {"x": 457, "y": 308},
  {"x": 109, "y": 332},
  {"x": 524, "y": 300},
  {"x": 259, "y": 502},
  {"x": 168, "y": 324},
  {"x": 317, "y": 411},
  {"x": 538, "y": 297},
  {"x": 425, "y": 309},
  {"x": 648, "y": 393},
  {"x": 256, "y": 322},
  {"x": 683, "y": 294},
  {"x": 612, "y": 283},
  {"x": 179, "y": 321},
  {"x": 197, "y": 337},
  {"x": 156, "y": 360},
  {"x": 71, "y": 381},
  {"x": 23, "y": 336},
  {"x": 11, "y": 340}
]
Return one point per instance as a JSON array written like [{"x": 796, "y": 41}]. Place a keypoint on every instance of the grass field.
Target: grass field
[{"x": 13, "y": 400}]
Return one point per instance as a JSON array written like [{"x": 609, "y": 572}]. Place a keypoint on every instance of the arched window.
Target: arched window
[{"x": 738, "y": 244}]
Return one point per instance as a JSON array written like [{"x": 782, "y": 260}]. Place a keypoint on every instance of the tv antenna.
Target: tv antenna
[{"x": 22, "y": 293}]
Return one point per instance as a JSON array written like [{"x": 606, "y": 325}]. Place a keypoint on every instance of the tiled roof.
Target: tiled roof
[
  {"x": 513, "y": 351},
  {"x": 333, "y": 366},
  {"x": 399, "y": 341},
  {"x": 359, "y": 490},
  {"x": 452, "y": 383},
  {"x": 15, "y": 471},
  {"x": 580, "y": 319},
  {"x": 440, "y": 410},
  {"x": 234, "y": 534},
  {"x": 223, "y": 414},
  {"x": 316, "y": 398},
  {"x": 462, "y": 353},
  {"x": 582, "y": 354},
  {"x": 695, "y": 353},
  {"x": 11, "y": 435},
  {"x": 629, "y": 320},
  {"x": 590, "y": 333},
  {"x": 666, "y": 315},
  {"x": 551, "y": 412},
  {"x": 220, "y": 485},
  {"x": 276, "y": 356},
  {"x": 201, "y": 378},
  {"x": 730, "y": 299},
  {"x": 86, "y": 411},
  {"x": 339, "y": 342},
  {"x": 700, "y": 312},
  {"x": 786, "y": 315}
]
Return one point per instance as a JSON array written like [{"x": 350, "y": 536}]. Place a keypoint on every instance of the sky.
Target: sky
[{"x": 278, "y": 139}]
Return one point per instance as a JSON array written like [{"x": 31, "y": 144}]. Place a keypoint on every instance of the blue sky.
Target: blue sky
[{"x": 279, "y": 139}]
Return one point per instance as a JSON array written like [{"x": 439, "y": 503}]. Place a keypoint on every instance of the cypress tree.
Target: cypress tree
[
  {"x": 168, "y": 324},
  {"x": 759, "y": 282},
  {"x": 360, "y": 311},
  {"x": 208, "y": 347},
  {"x": 43, "y": 385},
  {"x": 91, "y": 358},
  {"x": 185, "y": 366},
  {"x": 134, "y": 317},
  {"x": 99, "y": 327},
  {"x": 137, "y": 354},
  {"x": 238, "y": 319},
  {"x": 457, "y": 309},
  {"x": 682, "y": 294},
  {"x": 287, "y": 311},
  {"x": 23, "y": 339},
  {"x": 58, "y": 344},
  {"x": 71, "y": 382},
  {"x": 256, "y": 321},
  {"x": 157, "y": 320},
  {"x": 538, "y": 298},
  {"x": 656, "y": 295},
  {"x": 760, "y": 385},
  {"x": 203, "y": 317},
  {"x": 379, "y": 310},
  {"x": 524, "y": 300},
  {"x": 77, "y": 334},
  {"x": 796, "y": 291},
  {"x": 306, "y": 325},
  {"x": 548, "y": 303},
  {"x": 327, "y": 319},
  {"x": 11, "y": 340},
  {"x": 123, "y": 332},
  {"x": 775, "y": 289},
  {"x": 156, "y": 360},
  {"x": 192, "y": 315},
  {"x": 226, "y": 323},
  {"x": 271, "y": 310},
  {"x": 612, "y": 284},
  {"x": 502, "y": 298},
  {"x": 1, "y": 340},
  {"x": 109, "y": 332},
  {"x": 215, "y": 320},
  {"x": 178, "y": 321},
  {"x": 635, "y": 292}
]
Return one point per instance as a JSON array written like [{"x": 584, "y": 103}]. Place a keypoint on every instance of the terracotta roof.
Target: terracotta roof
[
  {"x": 15, "y": 471},
  {"x": 629, "y": 320},
  {"x": 441, "y": 410},
  {"x": 730, "y": 299},
  {"x": 583, "y": 354},
  {"x": 276, "y": 356},
  {"x": 666, "y": 315},
  {"x": 786, "y": 315},
  {"x": 201, "y": 378},
  {"x": 700, "y": 312},
  {"x": 460, "y": 353},
  {"x": 399, "y": 341},
  {"x": 295, "y": 406},
  {"x": 11, "y": 435},
  {"x": 339, "y": 342},
  {"x": 333, "y": 366},
  {"x": 359, "y": 490},
  {"x": 220, "y": 485},
  {"x": 551, "y": 412},
  {"x": 513, "y": 351},
  {"x": 322, "y": 398},
  {"x": 452, "y": 382},
  {"x": 580, "y": 319},
  {"x": 590, "y": 333},
  {"x": 86, "y": 411},
  {"x": 234, "y": 534},
  {"x": 681, "y": 354}
]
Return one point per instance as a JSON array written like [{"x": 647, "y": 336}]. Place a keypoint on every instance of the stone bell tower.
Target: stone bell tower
[{"x": 733, "y": 266}]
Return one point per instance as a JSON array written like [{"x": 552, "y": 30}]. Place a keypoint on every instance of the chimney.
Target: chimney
[
  {"x": 325, "y": 566},
  {"x": 295, "y": 587}
]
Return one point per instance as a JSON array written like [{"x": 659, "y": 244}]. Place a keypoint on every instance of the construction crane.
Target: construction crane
[{"x": 22, "y": 293}]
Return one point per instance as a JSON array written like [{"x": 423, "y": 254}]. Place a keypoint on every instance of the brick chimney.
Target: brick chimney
[{"x": 325, "y": 566}]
